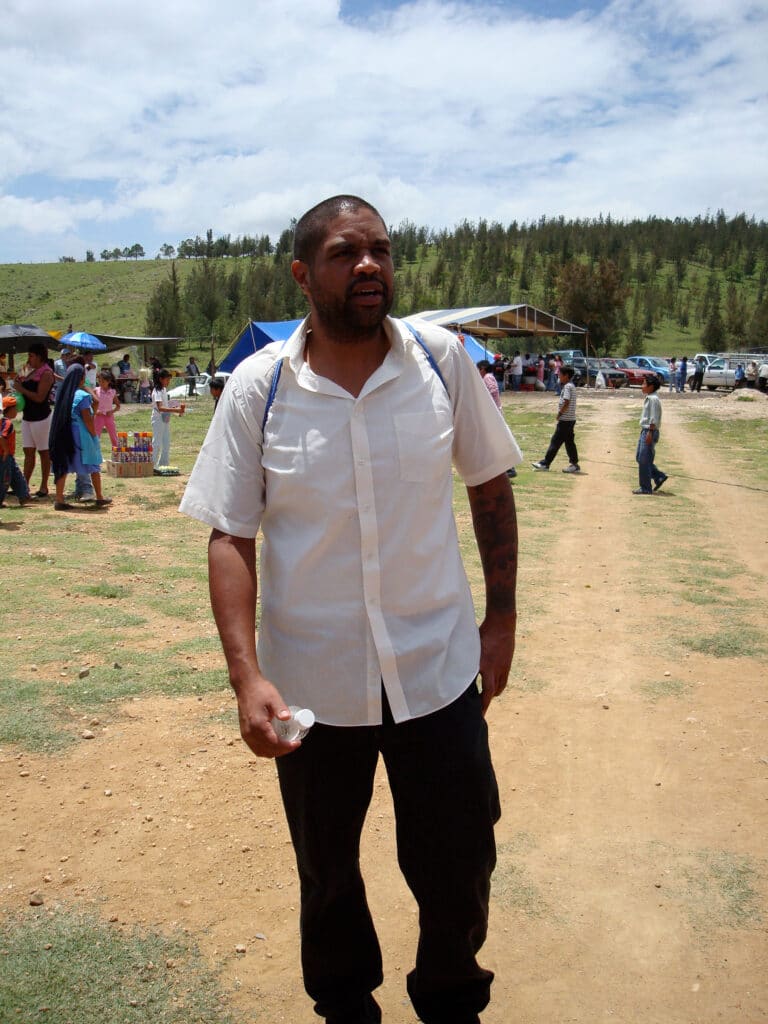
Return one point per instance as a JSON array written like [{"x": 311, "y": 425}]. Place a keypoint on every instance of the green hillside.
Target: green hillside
[
  {"x": 660, "y": 286},
  {"x": 109, "y": 298}
]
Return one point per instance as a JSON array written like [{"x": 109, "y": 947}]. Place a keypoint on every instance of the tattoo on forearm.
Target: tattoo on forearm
[{"x": 495, "y": 523}]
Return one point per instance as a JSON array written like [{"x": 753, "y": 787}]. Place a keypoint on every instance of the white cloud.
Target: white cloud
[{"x": 238, "y": 117}]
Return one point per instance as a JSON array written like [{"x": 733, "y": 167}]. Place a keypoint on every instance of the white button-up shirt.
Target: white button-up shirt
[{"x": 362, "y": 582}]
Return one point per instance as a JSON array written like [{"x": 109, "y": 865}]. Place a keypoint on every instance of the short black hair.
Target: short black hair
[
  {"x": 484, "y": 366},
  {"x": 38, "y": 348},
  {"x": 311, "y": 227},
  {"x": 216, "y": 382},
  {"x": 654, "y": 382},
  {"x": 568, "y": 370}
]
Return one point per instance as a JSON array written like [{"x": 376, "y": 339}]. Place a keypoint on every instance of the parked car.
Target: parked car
[
  {"x": 655, "y": 364},
  {"x": 635, "y": 376},
  {"x": 201, "y": 385},
  {"x": 721, "y": 373},
  {"x": 567, "y": 354},
  {"x": 585, "y": 370},
  {"x": 614, "y": 377}
]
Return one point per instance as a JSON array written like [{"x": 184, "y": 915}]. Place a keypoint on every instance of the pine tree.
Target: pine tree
[{"x": 713, "y": 335}]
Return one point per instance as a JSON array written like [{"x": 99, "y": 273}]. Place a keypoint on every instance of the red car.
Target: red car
[{"x": 635, "y": 376}]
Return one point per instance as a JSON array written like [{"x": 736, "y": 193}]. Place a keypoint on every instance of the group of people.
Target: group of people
[
  {"x": 678, "y": 374},
  {"x": 754, "y": 375},
  {"x": 510, "y": 372},
  {"x": 60, "y": 413},
  {"x": 65, "y": 407},
  {"x": 651, "y": 477}
]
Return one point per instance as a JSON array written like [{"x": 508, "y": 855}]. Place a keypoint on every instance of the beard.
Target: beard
[{"x": 348, "y": 322}]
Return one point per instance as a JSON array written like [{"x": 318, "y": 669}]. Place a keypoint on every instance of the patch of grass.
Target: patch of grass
[
  {"x": 511, "y": 886},
  {"x": 139, "y": 676},
  {"x": 198, "y": 644},
  {"x": 25, "y": 720},
  {"x": 720, "y": 890},
  {"x": 741, "y": 442},
  {"x": 110, "y": 591},
  {"x": 660, "y": 688},
  {"x": 710, "y": 596},
  {"x": 72, "y": 968},
  {"x": 746, "y": 398},
  {"x": 729, "y": 642},
  {"x": 706, "y": 571}
]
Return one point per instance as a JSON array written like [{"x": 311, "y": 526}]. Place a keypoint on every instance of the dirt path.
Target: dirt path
[
  {"x": 632, "y": 873},
  {"x": 631, "y": 806}
]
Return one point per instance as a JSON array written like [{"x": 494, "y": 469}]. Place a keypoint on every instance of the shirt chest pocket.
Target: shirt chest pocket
[{"x": 424, "y": 445}]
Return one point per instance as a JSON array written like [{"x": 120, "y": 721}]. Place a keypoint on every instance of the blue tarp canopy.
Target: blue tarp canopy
[
  {"x": 255, "y": 336},
  {"x": 476, "y": 349}
]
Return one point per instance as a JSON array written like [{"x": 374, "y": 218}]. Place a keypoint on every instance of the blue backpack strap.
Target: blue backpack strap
[
  {"x": 278, "y": 369},
  {"x": 430, "y": 358}
]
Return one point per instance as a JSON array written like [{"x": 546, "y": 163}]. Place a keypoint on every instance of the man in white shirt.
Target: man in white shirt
[
  {"x": 339, "y": 445},
  {"x": 516, "y": 371}
]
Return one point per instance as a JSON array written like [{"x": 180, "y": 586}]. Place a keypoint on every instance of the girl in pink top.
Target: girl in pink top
[{"x": 107, "y": 404}]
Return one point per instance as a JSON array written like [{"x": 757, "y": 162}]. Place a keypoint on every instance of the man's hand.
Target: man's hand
[
  {"x": 497, "y": 648},
  {"x": 258, "y": 702}
]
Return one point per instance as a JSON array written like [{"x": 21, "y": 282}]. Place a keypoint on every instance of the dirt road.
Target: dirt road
[{"x": 632, "y": 877}]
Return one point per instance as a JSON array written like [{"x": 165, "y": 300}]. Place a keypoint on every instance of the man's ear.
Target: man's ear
[{"x": 300, "y": 271}]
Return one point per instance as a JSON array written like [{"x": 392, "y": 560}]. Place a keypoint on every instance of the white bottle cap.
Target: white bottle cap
[{"x": 304, "y": 718}]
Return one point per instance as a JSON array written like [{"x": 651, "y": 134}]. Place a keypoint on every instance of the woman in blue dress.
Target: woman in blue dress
[{"x": 74, "y": 444}]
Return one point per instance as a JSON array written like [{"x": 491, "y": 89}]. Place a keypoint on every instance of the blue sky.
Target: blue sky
[{"x": 145, "y": 122}]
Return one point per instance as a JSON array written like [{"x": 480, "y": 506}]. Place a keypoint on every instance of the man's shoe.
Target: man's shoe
[
  {"x": 661, "y": 482},
  {"x": 542, "y": 466},
  {"x": 512, "y": 473},
  {"x": 639, "y": 490},
  {"x": 572, "y": 469}
]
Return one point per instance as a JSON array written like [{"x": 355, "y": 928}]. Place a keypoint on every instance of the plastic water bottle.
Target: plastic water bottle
[{"x": 297, "y": 726}]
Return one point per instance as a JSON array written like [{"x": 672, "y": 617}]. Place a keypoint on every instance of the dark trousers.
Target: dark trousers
[
  {"x": 12, "y": 479},
  {"x": 563, "y": 435},
  {"x": 446, "y": 803},
  {"x": 645, "y": 456}
]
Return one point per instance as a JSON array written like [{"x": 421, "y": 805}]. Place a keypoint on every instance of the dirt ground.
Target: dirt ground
[{"x": 632, "y": 881}]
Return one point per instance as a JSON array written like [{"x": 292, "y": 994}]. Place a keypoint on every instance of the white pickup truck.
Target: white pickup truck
[
  {"x": 721, "y": 369},
  {"x": 721, "y": 373}
]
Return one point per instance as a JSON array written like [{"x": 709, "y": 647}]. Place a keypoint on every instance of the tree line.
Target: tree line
[{"x": 704, "y": 277}]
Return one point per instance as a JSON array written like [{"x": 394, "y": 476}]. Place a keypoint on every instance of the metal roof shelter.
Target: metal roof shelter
[
  {"x": 502, "y": 321},
  {"x": 116, "y": 342}
]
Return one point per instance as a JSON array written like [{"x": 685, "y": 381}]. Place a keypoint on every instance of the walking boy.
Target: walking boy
[
  {"x": 566, "y": 424},
  {"x": 650, "y": 424}
]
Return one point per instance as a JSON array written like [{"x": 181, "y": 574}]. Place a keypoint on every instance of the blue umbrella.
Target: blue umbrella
[{"x": 84, "y": 341}]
